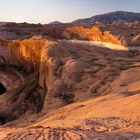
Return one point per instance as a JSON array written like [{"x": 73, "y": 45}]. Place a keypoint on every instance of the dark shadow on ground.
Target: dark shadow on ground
[{"x": 131, "y": 93}]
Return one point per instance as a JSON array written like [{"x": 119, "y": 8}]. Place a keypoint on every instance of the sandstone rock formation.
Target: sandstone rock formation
[{"x": 102, "y": 84}]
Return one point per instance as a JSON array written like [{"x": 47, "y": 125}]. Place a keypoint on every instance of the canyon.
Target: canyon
[{"x": 69, "y": 81}]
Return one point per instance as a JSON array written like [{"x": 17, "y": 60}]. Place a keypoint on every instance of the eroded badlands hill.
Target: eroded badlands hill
[{"x": 45, "y": 76}]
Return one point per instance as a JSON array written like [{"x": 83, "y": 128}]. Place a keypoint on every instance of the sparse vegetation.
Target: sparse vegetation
[
  {"x": 94, "y": 63},
  {"x": 98, "y": 66},
  {"x": 124, "y": 65},
  {"x": 68, "y": 98},
  {"x": 31, "y": 82}
]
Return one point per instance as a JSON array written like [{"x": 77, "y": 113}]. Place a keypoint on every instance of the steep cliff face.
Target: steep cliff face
[
  {"x": 27, "y": 53},
  {"x": 20, "y": 60},
  {"x": 92, "y": 34}
]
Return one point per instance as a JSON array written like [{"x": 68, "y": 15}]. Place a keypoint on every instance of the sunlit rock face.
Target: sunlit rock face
[
  {"x": 23, "y": 53},
  {"x": 93, "y": 34}
]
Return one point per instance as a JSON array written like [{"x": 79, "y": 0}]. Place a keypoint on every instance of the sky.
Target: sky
[{"x": 45, "y": 11}]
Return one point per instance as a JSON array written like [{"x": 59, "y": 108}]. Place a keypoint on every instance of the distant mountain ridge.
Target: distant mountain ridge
[{"x": 109, "y": 18}]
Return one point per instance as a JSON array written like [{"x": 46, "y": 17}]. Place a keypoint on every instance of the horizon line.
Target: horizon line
[{"x": 63, "y": 22}]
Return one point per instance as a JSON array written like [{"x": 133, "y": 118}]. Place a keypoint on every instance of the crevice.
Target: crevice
[
  {"x": 2, "y": 120},
  {"x": 2, "y": 89}
]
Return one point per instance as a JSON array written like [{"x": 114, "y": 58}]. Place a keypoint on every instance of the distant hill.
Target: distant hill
[
  {"x": 55, "y": 23},
  {"x": 109, "y": 18}
]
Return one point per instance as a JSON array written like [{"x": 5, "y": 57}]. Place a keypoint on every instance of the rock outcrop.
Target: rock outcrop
[{"x": 92, "y": 34}]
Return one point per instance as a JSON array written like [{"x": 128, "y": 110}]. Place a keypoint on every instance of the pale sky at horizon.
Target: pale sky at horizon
[{"x": 45, "y": 11}]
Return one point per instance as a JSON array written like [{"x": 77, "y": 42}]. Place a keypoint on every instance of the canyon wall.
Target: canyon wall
[{"x": 26, "y": 53}]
